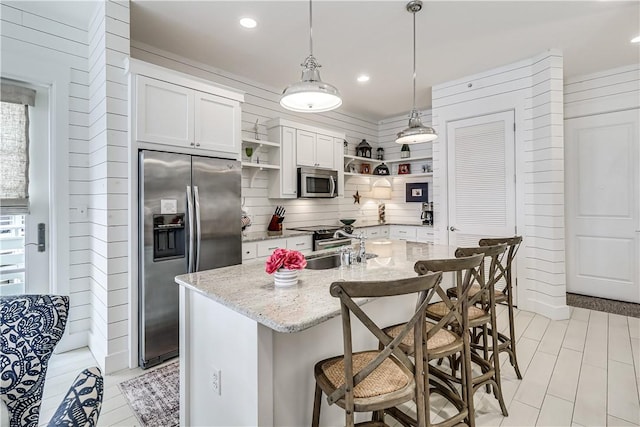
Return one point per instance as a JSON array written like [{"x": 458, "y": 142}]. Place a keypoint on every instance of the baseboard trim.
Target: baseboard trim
[
  {"x": 116, "y": 362},
  {"x": 553, "y": 312}
]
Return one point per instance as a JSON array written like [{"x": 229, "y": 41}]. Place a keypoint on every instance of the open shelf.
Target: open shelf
[
  {"x": 259, "y": 143},
  {"x": 407, "y": 159},
  {"x": 257, "y": 167},
  {"x": 413, "y": 175}
]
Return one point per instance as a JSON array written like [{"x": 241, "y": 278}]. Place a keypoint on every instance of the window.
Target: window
[{"x": 14, "y": 184}]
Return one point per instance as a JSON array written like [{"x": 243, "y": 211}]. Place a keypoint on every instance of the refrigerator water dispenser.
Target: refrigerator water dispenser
[{"x": 168, "y": 237}]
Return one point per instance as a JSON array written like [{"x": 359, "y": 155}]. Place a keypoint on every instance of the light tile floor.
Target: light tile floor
[{"x": 584, "y": 371}]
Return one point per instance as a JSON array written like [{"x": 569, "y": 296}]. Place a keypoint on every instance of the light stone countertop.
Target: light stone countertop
[
  {"x": 256, "y": 236},
  {"x": 249, "y": 290}
]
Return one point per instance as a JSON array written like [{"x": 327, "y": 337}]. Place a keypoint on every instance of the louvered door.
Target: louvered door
[{"x": 481, "y": 178}]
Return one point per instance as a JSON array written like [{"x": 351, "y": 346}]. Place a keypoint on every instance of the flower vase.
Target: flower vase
[{"x": 284, "y": 277}]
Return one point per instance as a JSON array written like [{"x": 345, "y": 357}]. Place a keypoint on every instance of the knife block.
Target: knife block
[{"x": 275, "y": 224}]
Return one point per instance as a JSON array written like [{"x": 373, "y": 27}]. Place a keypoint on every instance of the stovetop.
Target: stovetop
[{"x": 318, "y": 228}]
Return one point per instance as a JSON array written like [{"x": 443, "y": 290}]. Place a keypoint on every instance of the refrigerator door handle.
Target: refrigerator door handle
[
  {"x": 196, "y": 198},
  {"x": 190, "y": 248}
]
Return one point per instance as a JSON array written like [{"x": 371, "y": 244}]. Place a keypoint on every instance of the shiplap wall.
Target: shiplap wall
[
  {"x": 65, "y": 45},
  {"x": 533, "y": 89},
  {"x": 262, "y": 104},
  {"x": 108, "y": 168},
  {"x": 603, "y": 92},
  {"x": 398, "y": 211}
]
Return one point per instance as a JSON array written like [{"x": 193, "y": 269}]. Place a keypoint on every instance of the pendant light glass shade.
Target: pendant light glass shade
[
  {"x": 416, "y": 132},
  {"x": 311, "y": 94}
]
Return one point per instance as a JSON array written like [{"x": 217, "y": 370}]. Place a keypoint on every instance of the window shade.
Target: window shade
[{"x": 14, "y": 148}]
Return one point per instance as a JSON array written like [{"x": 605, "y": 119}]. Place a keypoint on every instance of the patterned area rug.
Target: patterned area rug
[{"x": 155, "y": 396}]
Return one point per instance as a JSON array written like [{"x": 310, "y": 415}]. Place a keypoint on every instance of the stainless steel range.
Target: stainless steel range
[{"x": 323, "y": 236}]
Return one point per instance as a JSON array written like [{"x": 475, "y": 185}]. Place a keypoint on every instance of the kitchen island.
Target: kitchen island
[{"x": 247, "y": 349}]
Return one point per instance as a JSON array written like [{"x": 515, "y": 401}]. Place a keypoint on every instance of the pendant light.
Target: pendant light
[
  {"x": 416, "y": 132},
  {"x": 310, "y": 94}
]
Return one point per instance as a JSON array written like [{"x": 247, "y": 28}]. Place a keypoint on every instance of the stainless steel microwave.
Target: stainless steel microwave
[{"x": 317, "y": 183}]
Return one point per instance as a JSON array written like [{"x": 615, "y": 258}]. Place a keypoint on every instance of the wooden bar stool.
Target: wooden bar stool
[
  {"x": 441, "y": 343},
  {"x": 507, "y": 344},
  {"x": 374, "y": 380},
  {"x": 482, "y": 320}
]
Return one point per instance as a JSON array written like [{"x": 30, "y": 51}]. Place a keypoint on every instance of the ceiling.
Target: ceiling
[{"x": 454, "y": 39}]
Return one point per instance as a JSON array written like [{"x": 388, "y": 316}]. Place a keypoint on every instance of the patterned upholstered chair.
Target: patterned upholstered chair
[{"x": 30, "y": 328}]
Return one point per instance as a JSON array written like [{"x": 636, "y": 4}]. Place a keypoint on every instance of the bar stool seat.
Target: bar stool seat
[
  {"x": 440, "y": 309},
  {"x": 443, "y": 340},
  {"x": 500, "y": 296},
  {"x": 389, "y": 377}
]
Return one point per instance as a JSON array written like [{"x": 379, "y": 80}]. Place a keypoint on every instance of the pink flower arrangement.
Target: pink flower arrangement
[{"x": 293, "y": 260}]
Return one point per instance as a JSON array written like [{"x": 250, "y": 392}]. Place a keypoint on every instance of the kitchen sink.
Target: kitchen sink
[{"x": 325, "y": 262}]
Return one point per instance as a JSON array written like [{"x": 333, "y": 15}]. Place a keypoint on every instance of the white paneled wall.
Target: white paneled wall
[
  {"x": 262, "y": 104},
  {"x": 603, "y": 92},
  {"x": 66, "y": 46},
  {"x": 108, "y": 166},
  {"x": 533, "y": 90},
  {"x": 398, "y": 211}
]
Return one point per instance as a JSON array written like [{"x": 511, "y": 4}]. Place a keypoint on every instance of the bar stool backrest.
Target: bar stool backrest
[
  {"x": 486, "y": 279},
  {"x": 513, "y": 243},
  {"x": 347, "y": 291}
]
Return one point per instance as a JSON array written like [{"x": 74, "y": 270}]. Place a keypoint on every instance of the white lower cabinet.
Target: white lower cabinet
[
  {"x": 264, "y": 248},
  {"x": 424, "y": 235},
  {"x": 381, "y": 232},
  {"x": 403, "y": 232}
]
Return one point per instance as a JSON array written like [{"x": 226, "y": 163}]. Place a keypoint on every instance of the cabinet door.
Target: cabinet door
[
  {"x": 217, "y": 123},
  {"x": 300, "y": 243},
  {"x": 266, "y": 247},
  {"x": 164, "y": 113},
  {"x": 338, "y": 163},
  {"x": 288, "y": 170},
  {"x": 324, "y": 151},
  {"x": 424, "y": 235},
  {"x": 306, "y": 147},
  {"x": 248, "y": 251},
  {"x": 402, "y": 232}
]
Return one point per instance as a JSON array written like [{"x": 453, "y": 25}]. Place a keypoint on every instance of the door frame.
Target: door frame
[{"x": 512, "y": 101}]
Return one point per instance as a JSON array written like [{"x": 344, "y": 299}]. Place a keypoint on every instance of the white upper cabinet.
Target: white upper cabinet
[
  {"x": 314, "y": 150},
  {"x": 217, "y": 123},
  {"x": 165, "y": 113},
  {"x": 183, "y": 111}
]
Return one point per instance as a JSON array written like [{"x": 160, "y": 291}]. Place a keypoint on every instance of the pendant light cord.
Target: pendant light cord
[
  {"x": 311, "y": 29},
  {"x": 414, "y": 60}
]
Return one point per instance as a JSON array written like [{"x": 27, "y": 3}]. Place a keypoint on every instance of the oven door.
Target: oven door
[{"x": 331, "y": 243}]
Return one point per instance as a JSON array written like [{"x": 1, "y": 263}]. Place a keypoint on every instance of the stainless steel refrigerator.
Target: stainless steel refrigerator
[{"x": 189, "y": 220}]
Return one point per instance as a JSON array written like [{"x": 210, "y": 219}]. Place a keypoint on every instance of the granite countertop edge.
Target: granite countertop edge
[{"x": 258, "y": 236}]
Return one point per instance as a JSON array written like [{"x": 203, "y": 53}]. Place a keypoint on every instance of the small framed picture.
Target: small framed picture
[
  {"x": 404, "y": 168},
  {"x": 417, "y": 192},
  {"x": 352, "y": 169},
  {"x": 365, "y": 168}
]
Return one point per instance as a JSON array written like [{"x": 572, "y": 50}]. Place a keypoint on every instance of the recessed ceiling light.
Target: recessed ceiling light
[
  {"x": 363, "y": 78},
  {"x": 248, "y": 23},
  {"x": 635, "y": 40}
]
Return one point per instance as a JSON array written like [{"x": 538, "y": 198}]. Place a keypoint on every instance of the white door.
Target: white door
[
  {"x": 481, "y": 180},
  {"x": 602, "y": 205},
  {"x": 324, "y": 151}
]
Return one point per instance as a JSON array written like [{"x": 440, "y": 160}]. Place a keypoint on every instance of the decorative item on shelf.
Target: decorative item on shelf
[
  {"x": 255, "y": 130},
  {"x": 427, "y": 213},
  {"x": 365, "y": 168},
  {"x": 381, "y": 169},
  {"x": 416, "y": 132},
  {"x": 381, "y": 191},
  {"x": 417, "y": 192},
  {"x": 245, "y": 219},
  {"x": 346, "y": 147},
  {"x": 310, "y": 94},
  {"x": 404, "y": 168},
  {"x": 249, "y": 152},
  {"x": 356, "y": 198},
  {"x": 284, "y": 265},
  {"x": 352, "y": 168},
  {"x": 363, "y": 149},
  {"x": 380, "y": 153},
  {"x": 405, "y": 151}
]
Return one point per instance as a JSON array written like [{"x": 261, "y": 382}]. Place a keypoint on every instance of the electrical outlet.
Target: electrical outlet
[{"x": 216, "y": 383}]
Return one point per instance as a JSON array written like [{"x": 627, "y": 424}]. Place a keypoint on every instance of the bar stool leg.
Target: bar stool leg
[
  {"x": 317, "y": 401},
  {"x": 495, "y": 358},
  {"x": 512, "y": 331}
]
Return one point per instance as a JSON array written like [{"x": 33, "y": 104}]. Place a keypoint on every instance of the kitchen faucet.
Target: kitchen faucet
[{"x": 361, "y": 257}]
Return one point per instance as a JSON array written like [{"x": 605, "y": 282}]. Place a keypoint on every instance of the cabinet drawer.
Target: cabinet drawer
[
  {"x": 300, "y": 243},
  {"x": 266, "y": 247},
  {"x": 424, "y": 235},
  {"x": 248, "y": 251},
  {"x": 403, "y": 233}
]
